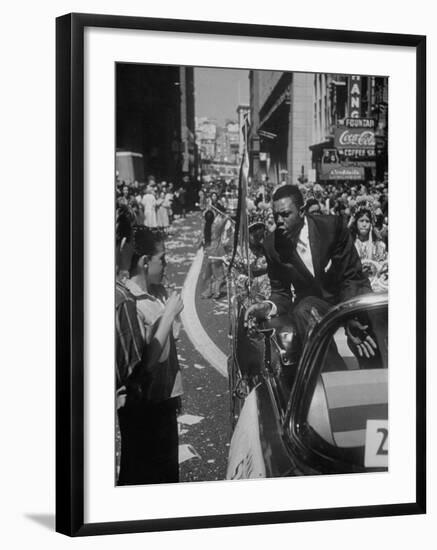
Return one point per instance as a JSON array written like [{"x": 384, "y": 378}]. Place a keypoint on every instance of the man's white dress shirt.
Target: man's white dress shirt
[{"x": 303, "y": 248}]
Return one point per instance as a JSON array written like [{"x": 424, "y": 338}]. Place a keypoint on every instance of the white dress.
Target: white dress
[
  {"x": 162, "y": 218},
  {"x": 149, "y": 203}
]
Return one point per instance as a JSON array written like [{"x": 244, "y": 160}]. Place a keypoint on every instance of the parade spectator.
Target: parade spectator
[
  {"x": 149, "y": 422},
  {"x": 162, "y": 216},
  {"x": 125, "y": 194},
  {"x": 181, "y": 196},
  {"x": 221, "y": 242},
  {"x": 201, "y": 200},
  {"x": 367, "y": 241},
  {"x": 260, "y": 194},
  {"x": 214, "y": 198},
  {"x": 177, "y": 206},
  {"x": 149, "y": 204},
  {"x": 312, "y": 206},
  {"x": 209, "y": 219},
  {"x": 169, "y": 196},
  {"x": 384, "y": 232},
  {"x": 130, "y": 351},
  {"x": 128, "y": 335}
]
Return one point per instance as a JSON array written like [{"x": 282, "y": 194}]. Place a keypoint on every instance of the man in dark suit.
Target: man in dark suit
[{"x": 312, "y": 265}]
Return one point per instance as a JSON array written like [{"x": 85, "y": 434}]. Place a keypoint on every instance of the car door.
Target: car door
[{"x": 337, "y": 420}]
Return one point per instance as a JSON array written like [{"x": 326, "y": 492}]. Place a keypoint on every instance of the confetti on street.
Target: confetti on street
[
  {"x": 187, "y": 452},
  {"x": 189, "y": 419}
]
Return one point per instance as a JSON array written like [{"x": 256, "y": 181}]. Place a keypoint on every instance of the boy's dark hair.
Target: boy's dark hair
[{"x": 144, "y": 242}]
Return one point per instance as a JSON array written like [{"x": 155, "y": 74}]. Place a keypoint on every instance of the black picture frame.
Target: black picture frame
[{"x": 70, "y": 273}]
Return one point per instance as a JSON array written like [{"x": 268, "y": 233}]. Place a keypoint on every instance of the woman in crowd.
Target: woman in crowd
[
  {"x": 149, "y": 204},
  {"x": 169, "y": 195},
  {"x": 148, "y": 421},
  {"x": 163, "y": 207},
  {"x": 370, "y": 247},
  {"x": 138, "y": 210},
  {"x": 367, "y": 241}
]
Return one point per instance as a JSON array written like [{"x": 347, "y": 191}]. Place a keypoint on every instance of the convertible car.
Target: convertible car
[{"x": 306, "y": 408}]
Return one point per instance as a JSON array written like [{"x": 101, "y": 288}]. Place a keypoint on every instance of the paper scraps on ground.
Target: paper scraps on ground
[
  {"x": 190, "y": 419},
  {"x": 187, "y": 452}
]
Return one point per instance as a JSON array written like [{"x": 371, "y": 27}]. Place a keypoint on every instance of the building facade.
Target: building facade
[
  {"x": 155, "y": 118},
  {"x": 350, "y": 128},
  {"x": 281, "y": 125},
  {"x": 219, "y": 148},
  {"x": 302, "y": 122}
]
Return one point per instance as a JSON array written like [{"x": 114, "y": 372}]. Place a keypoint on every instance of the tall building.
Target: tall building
[
  {"x": 243, "y": 112},
  {"x": 218, "y": 148},
  {"x": 206, "y": 133},
  {"x": 155, "y": 118},
  {"x": 233, "y": 141},
  {"x": 281, "y": 124}
]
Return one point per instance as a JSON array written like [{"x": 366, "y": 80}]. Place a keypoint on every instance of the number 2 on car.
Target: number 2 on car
[{"x": 376, "y": 450}]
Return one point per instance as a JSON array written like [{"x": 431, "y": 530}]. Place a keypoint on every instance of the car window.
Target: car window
[{"x": 349, "y": 407}]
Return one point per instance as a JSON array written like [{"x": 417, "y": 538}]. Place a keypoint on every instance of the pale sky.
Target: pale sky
[{"x": 218, "y": 92}]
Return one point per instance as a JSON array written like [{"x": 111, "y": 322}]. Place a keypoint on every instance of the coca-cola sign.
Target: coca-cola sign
[{"x": 354, "y": 138}]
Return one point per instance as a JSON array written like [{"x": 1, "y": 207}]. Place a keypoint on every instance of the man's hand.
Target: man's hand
[
  {"x": 364, "y": 343},
  {"x": 120, "y": 397},
  {"x": 257, "y": 313}
]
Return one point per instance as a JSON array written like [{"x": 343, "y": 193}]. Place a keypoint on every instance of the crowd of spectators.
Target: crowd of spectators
[
  {"x": 362, "y": 205},
  {"x": 155, "y": 203}
]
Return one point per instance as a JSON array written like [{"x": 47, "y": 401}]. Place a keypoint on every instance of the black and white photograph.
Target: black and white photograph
[
  {"x": 252, "y": 274},
  {"x": 219, "y": 321}
]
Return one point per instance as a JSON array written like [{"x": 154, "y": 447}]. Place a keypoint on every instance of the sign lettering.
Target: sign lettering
[
  {"x": 376, "y": 446},
  {"x": 354, "y": 96},
  {"x": 363, "y": 139},
  {"x": 355, "y": 140},
  {"x": 357, "y": 153},
  {"x": 359, "y": 123},
  {"x": 339, "y": 172}
]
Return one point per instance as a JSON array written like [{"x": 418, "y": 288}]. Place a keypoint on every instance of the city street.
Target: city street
[{"x": 204, "y": 421}]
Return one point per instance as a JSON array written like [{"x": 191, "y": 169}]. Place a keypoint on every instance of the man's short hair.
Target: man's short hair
[{"x": 291, "y": 191}]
